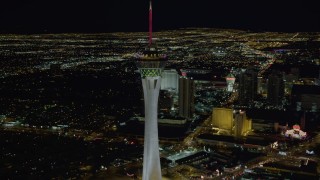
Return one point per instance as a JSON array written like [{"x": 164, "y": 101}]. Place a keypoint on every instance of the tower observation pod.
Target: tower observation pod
[{"x": 151, "y": 64}]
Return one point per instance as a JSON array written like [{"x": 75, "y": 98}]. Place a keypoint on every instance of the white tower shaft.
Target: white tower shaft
[{"x": 151, "y": 156}]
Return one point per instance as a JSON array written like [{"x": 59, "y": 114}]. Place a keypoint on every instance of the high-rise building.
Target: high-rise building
[
  {"x": 170, "y": 80},
  {"x": 306, "y": 97},
  {"x": 151, "y": 64},
  {"x": 166, "y": 101},
  {"x": 241, "y": 123},
  {"x": 186, "y": 97},
  {"x": 275, "y": 88},
  {"x": 222, "y": 118},
  {"x": 230, "y": 82},
  {"x": 248, "y": 83},
  {"x": 262, "y": 86},
  {"x": 232, "y": 122}
]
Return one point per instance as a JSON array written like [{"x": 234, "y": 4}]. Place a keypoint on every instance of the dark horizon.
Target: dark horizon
[{"x": 18, "y": 16}]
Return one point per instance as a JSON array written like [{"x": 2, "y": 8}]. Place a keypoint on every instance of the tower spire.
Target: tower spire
[{"x": 150, "y": 23}]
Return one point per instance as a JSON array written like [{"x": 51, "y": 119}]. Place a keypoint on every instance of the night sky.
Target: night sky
[{"x": 56, "y": 16}]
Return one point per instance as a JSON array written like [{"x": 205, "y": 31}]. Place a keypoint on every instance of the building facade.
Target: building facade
[
  {"x": 170, "y": 80},
  {"x": 186, "y": 97},
  {"x": 230, "y": 82},
  {"x": 248, "y": 83},
  {"x": 275, "y": 88},
  {"x": 242, "y": 124},
  {"x": 231, "y": 122}
]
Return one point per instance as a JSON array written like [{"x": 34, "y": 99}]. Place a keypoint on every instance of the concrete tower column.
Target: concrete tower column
[{"x": 151, "y": 156}]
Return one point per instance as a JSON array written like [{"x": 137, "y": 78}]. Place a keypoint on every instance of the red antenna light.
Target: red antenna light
[{"x": 150, "y": 24}]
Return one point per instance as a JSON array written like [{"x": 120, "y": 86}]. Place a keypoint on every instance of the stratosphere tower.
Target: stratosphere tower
[{"x": 151, "y": 64}]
